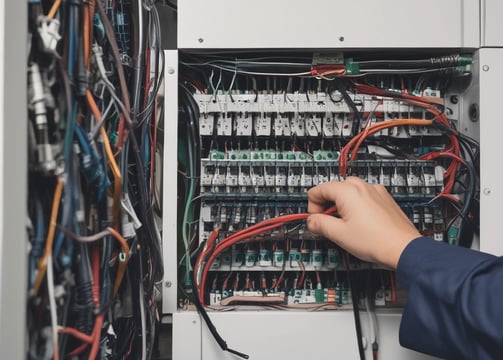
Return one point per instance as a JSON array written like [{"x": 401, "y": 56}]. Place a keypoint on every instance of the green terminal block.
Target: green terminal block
[
  {"x": 351, "y": 67},
  {"x": 319, "y": 294},
  {"x": 453, "y": 235},
  {"x": 325, "y": 155},
  {"x": 217, "y": 155}
]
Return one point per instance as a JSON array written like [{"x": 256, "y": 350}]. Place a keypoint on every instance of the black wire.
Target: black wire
[
  {"x": 148, "y": 219},
  {"x": 339, "y": 84},
  {"x": 211, "y": 327},
  {"x": 355, "y": 298}
]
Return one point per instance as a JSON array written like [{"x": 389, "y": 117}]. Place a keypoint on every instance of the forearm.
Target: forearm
[{"x": 454, "y": 303}]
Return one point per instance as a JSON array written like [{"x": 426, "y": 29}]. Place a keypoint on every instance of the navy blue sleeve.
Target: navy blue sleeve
[{"x": 454, "y": 307}]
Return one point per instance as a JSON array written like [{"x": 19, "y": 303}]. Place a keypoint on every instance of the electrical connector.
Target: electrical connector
[
  {"x": 48, "y": 30},
  {"x": 37, "y": 102},
  {"x": 351, "y": 67}
]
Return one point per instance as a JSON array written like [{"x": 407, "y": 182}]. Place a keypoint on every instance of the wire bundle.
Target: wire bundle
[
  {"x": 97, "y": 258},
  {"x": 315, "y": 93}
]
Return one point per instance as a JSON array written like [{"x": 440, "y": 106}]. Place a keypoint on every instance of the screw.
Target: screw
[
  {"x": 454, "y": 99},
  {"x": 485, "y": 67},
  {"x": 200, "y": 40},
  {"x": 194, "y": 321},
  {"x": 171, "y": 71},
  {"x": 487, "y": 191},
  {"x": 341, "y": 38},
  {"x": 168, "y": 284}
]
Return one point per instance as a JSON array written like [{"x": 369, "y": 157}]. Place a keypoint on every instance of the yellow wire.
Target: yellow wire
[{"x": 42, "y": 263}]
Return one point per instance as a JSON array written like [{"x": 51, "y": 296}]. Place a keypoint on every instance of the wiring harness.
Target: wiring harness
[
  {"x": 258, "y": 130},
  {"x": 95, "y": 69}
]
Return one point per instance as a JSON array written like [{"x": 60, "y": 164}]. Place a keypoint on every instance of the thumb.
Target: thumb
[{"x": 327, "y": 226}]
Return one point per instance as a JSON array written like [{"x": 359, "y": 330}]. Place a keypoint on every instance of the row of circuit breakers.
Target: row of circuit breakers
[{"x": 261, "y": 152}]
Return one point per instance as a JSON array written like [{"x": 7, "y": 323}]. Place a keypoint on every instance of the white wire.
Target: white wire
[
  {"x": 143, "y": 324},
  {"x": 52, "y": 306},
  {"x": 373, "y": 326},
  {"x": 261, "y": 73}
]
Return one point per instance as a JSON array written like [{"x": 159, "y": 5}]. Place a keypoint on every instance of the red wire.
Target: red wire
[
  {"x": 259, "y": 228},
  {"x": 94, "y": 339},
  {"x": 98, "y": 322}
]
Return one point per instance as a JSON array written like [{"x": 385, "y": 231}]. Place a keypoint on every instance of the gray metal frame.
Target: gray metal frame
[{"x": 13, "y": 179}]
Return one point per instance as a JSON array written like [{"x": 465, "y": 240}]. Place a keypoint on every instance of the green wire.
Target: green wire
[{"x": 186, "y": 224}]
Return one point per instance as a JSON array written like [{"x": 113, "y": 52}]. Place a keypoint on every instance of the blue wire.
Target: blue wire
[
  {"x": 68, "y": 204},
  {"x": 84, "y": 142}
]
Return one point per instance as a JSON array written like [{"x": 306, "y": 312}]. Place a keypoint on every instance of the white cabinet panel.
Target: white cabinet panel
[{"x": 326, "y": 23}]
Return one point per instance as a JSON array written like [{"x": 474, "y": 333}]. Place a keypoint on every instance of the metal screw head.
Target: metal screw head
[
  {"x": 485, "y": 67},
  {"x": 487, "y": 191},
  {"x": 171, "y": 70},
  {"x": 200, "y": 40},
  {"x": 341, "y": 38},
  {"x": 168, "y": 283}
]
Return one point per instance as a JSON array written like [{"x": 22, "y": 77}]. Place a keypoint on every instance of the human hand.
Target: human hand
[{"x": 370, "y": 225}]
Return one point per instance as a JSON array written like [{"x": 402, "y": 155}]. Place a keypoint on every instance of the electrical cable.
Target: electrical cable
[
  {"x": 355, "y": 298},
  {"x": 52, "y": 307},
  {"x": 211, "y": 327},
  {"x": 42, "y": 263},
  {"x": 111, "y": 160}
]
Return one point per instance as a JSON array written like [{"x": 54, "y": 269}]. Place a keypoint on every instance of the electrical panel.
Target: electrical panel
[
  {"x": 260, "y": 107},
  {"x": 258, "y": 129}
]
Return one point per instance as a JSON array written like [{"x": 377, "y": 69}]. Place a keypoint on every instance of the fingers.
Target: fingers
[
  {"x": 325, "y": 225},
  {"x": 329, "y": 193},
  {"x": 319, "y": 196}
]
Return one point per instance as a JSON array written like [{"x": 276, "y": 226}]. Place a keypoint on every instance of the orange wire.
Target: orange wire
[
  {"x": 94, "y": 338},
  {"x": 358, "y": 139},
  {"x": 383, "y": 125},
  {"x": 111, "y": 161},
  {"x": 122, "y": 263},
  {"x": 42, "y": 263},
  {"x": 54, "y": 9},
  {"x": 86, "y": 35},
  {"x": 77, "y": 334}
]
